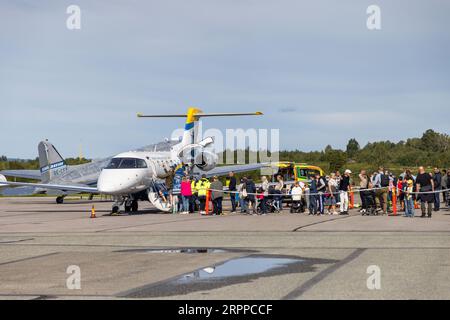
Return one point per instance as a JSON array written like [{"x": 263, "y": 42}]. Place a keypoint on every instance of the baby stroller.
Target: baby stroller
[
  {"x": 270, "y": 205},
  {"x": 298, "y": 206},
  {"x": 370, "y": 202}
]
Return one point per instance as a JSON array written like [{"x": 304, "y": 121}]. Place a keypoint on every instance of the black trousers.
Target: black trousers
[
  {"x": 192, "y": 203},
  {"x": 202, "y": 200},
  {"x": 264, "y": 205},
  {"x": 217, "y": 205},
  {"x": 363, "y": 195},
  {"x": 233, "y": 201}
]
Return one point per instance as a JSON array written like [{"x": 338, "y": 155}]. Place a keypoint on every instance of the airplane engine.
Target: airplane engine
[
  {"x": 206, "y": 160},
  {"x": 198, "y": 155},
  {"x": 2, "y": 179}
]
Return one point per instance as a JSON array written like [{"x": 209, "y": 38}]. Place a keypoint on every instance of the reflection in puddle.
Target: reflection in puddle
[
  {"x": 237, "y": 267},
  {"x": 184, "y": 250},
  {"x": 234, "y": 271}
]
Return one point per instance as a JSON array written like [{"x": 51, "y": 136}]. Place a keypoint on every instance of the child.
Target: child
[{"x": 409, "y": 200}]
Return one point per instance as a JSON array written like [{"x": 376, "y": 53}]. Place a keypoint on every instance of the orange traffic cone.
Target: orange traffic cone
[
  {"x": 93, "y": 213},
  {"x": 352, "y": 200},
  {"x": 394, "y": 202},
  {"x": 208, "y": 197}
]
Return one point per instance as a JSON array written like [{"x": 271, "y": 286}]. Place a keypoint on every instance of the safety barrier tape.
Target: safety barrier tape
[{"x": 338, "y": 192}]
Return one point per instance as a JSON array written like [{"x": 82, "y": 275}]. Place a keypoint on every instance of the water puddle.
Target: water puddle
[
  {"x": 233, "y": 271},
  {"x": 236, "y": 268},
  {"x": 184, "y": 250}
]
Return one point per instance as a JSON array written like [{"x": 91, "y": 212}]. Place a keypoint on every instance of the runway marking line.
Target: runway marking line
[
  {"x": 29, "y": 258},
  {"x": 320, "y": 222},
  {"x": 322, "y": 275}
]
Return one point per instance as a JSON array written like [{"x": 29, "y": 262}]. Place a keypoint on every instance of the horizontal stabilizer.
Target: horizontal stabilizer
[{"x": 200, "y": 115}]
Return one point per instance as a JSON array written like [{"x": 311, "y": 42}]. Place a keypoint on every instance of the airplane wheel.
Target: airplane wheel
[
  {"x": 59, "y": 200},
  {"x": 115, "y": 210},
  {"x": 127, "y": 208},
  {"x": 134, "y": 206}
]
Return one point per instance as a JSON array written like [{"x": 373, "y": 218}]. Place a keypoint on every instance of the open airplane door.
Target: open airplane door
[{"x": 158, "y": 202}]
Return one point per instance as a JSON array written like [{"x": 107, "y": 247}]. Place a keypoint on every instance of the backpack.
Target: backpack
[
  {"x": 384, "y": 181},
  {"x": 325, "y": 181}
]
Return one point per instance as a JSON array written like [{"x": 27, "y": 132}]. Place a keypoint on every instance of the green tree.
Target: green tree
[
  {"x": 433, "y": 141},
  {"x": 336, "y": 159},
  {"x": 352, "y": 148}
]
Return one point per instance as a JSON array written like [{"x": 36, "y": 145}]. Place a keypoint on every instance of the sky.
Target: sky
[{"x": 313, "y": 67}]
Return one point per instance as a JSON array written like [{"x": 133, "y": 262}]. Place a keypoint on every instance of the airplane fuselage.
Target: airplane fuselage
[{"x": 132, "y": 172}]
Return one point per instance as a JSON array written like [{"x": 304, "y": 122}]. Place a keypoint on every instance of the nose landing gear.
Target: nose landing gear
[{"x": 128, "y": 204}]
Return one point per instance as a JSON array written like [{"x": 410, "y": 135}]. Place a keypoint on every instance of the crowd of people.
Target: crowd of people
[{"x": 321, "y": 195}]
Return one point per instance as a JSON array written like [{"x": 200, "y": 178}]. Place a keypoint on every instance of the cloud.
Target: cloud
[{"x": 332, "y": 77}]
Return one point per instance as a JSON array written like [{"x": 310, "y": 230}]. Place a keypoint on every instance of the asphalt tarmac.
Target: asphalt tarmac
[{"x": 152, "y": 255}]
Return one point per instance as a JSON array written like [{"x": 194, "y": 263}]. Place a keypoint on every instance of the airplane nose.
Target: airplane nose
[{"x": 117, "y": 181}]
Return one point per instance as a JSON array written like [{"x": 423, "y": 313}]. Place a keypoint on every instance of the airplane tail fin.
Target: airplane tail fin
[
  {"x": 192, "y": 116},
  {"x": 51, "y": 163}
]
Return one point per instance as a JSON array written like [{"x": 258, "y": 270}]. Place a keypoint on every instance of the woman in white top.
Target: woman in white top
[{"x": 332, "y": 189}]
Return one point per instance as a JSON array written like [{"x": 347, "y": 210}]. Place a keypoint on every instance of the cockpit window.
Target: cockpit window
[
  {"x": 126, "y": 163},
  {"x": 114, "y": 163},
  {"x": 141, "y": 164}
]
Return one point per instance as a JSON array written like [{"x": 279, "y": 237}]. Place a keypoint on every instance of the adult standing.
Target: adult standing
[
  {"x": 194, "y": 197},
  {"x": 321, "y": 189},
  {"x": 202, "y": 186},
  {"x": 437, "y": 180},
  {"x": 186, "y": 194},
  {"x": 313, "y": 196},
  {"x": 332, "y": 188},
  {"x": 338, "y": 181},
  {"x": 279, "y": 192},
  {"x": 381, "y": 183},
  {"x": 344, "y": 189},
  {"x": 217, "y": 195},
  {"x": 242, "y": 195},
  {"x": 444, "y": 183},
  {"x": 364, "y": 185},
  {"x": 425, "y": 185},
  {"x": 250, "y": 188},
  {"x": 265, "y": 191},
  {"x": 448, "y": 187},
  {"x": 232, "y": 187}
]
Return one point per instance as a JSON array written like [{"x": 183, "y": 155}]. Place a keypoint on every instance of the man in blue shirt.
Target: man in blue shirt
[{"x": 313, "y": 196}]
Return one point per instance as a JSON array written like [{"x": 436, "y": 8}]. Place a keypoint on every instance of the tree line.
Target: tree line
[{"x": 431, "y": 150}]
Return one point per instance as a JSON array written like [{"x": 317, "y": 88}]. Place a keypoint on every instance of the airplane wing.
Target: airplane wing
[
  {"x": 75, "y": 188},
  {"x": 224, "y": 170},
  {"x": 27, "y": 174}
]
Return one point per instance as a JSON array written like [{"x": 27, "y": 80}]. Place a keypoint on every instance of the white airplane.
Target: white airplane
[{"x": 132, "y": 173}]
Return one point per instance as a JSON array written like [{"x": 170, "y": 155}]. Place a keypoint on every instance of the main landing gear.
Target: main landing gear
[
  {"x": 60, "y": 199},
  {"x": 131, "y": 205}
]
